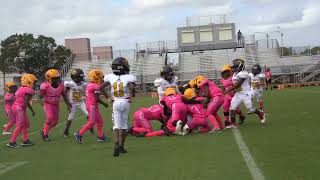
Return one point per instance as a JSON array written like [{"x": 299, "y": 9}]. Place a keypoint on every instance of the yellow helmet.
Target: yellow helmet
[
  {"x": 189, "y": 93},
  {"x": 96, "y": 76},
  {"x": 198, "y": 80},
  {"x": 50, "y": 74},
  {"x": 8, "y": 85},
  {"x": 170, "y": 91},
  {"x": 226, "y": 67},
  {"x": 192, "y": 83},
  {"x": 28, "y": 80}
]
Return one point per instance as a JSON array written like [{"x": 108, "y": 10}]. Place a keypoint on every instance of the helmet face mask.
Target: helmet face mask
[
  {"x": 120, "y": 66},
  {"x": 77, "y": 76},
  {"x": 166, "y": 73},
  {"x": 225, "y": 74},
  {"x": 256, "y": 69},
  {"x": 238, "y": 65},
  {"x": 11, "y": 87},
  {"x": 55, "y": 82},
  {"x": 53, "y": 77}
]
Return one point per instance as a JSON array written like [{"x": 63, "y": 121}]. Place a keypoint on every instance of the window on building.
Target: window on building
[
  {"x": 206, "y": 35},
  {"x": 187, "y": 37},
  {"x": 225, "y": 34}
]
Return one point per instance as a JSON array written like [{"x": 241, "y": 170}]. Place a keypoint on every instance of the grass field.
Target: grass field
[{"x": 286, "y": 148}]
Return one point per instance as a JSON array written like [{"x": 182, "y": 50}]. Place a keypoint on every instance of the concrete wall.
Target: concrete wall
[
  {"x": 214, "y": 44},
  {"x": 80, "y": 47}
]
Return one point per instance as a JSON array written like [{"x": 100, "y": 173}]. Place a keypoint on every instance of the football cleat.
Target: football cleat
[
  {"x": 263, "y": 118},
  {"x": 116, "y": 150},
  {"x": 44, "y": 137},
  {"x": 6, "y": 133},
  {"x": 213, "y": 131},
  {"x": 179, "y": 128},
  {"x": 185, "y": 130},
  {"x": 78, "y": 137},
  {"x": 166, "y": 130},
  {"x": 13, "y": 145},
  {"x": 241, "y": 119},
  {"x": 122, "y": 150},
  {"x": 103, "y": 139},
  {"x": 27, "y": 143}
]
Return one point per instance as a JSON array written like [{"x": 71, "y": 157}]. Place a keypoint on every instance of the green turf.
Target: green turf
[{"x": 286, "y": 148}]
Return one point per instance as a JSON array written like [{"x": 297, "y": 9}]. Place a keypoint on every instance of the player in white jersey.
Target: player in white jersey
[
  {"x": 167, "y": 79},
  {"x": 75, "y": 90},
  {"x": 243, "y": 91},
  {"x": 258, "y": 83},
  {"x": 122, "y": 91}
]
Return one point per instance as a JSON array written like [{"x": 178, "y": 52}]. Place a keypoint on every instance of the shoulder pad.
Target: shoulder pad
[{"x": 158, "y": 82}]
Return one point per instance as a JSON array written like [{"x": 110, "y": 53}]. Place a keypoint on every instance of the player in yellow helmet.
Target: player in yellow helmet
[
  {"x": 19, "y": 108},
  {"x": 51, "y": 91}
]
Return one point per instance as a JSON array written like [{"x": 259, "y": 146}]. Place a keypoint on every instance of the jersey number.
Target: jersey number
[{"x": 116, "y": 92}]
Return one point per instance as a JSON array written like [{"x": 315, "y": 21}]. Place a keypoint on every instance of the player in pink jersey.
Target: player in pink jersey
[
  {"x": 51, "y": 91},
  {"x": 173, "y": 103},
  {"x": 227, "y": 83},
  {"x": 214, "y": 97},
  {"x": 142, "y": 117},
  {"x": 10, "y": 88},
  {"x": 200, "y": 118},
  {"x": 23, "y": 97},
  {"x": 93, "y": 92}
]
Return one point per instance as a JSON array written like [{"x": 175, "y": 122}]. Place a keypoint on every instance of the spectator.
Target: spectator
[
  {"x": 268, "y": 78},
  {"x": 239, "y": 37}
]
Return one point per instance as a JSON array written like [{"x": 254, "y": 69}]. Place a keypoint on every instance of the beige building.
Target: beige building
[
  {"x": 102, "y": 53},
  {"x": 80, "y": 47}
]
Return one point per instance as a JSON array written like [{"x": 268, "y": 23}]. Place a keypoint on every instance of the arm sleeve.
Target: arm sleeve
[
  {"x": 43, "y": 88},
  {"x": 160, "y": 90}
]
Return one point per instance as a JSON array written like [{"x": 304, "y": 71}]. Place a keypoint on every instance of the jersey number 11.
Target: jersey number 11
[{"x": 116, "y": 92}]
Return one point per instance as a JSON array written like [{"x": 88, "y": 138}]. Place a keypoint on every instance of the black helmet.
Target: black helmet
[
  {"x": 77, "y": 75},
  {"x": 120, "y": 66},
  {"x": 167, "y": 73},
  {"x": 256, "y": 69},
  {"x": 238, "y": 65}
]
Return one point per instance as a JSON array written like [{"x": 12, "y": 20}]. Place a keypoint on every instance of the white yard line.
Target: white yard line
[
  {"x": 255, "y": 172},
  {"x": 5, "y": 167}
]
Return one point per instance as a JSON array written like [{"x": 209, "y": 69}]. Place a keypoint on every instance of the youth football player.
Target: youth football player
[
  {"x": 93, "y": 92},
  {"x": 9, "y": 98},
  {"x": 51, "y": 91},
  {"x": 241, "y": 81},
  {"x": 123, "y": 91},
  {"x": 75, "y": 90},
  {"x": 19, "y": 108},
  {"x": 257, "y": 84}
]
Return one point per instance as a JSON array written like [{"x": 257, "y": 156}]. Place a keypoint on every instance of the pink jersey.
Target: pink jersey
[
  {"x": 51, "y": 95},
  {"x": 91, "y": 90},
  {"x": 8, "y": 100},
  {"x": 21, "y": 96},
  {"x": 227, "y": 84},
  {"x": 152, "y": 113},
  {"x": 172, "y": 99},
  {"x": 213, "y": 88},
  {"x": 197, "y": 110},
  {"x": 268, "y": 74}
]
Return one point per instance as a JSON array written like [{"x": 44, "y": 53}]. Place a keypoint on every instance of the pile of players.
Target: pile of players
[
  {"x": 77, "y": 94},
  {"x": 195, "y": 105}
]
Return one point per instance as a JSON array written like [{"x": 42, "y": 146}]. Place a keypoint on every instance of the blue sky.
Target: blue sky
[{"x": 122, "y": 23}]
